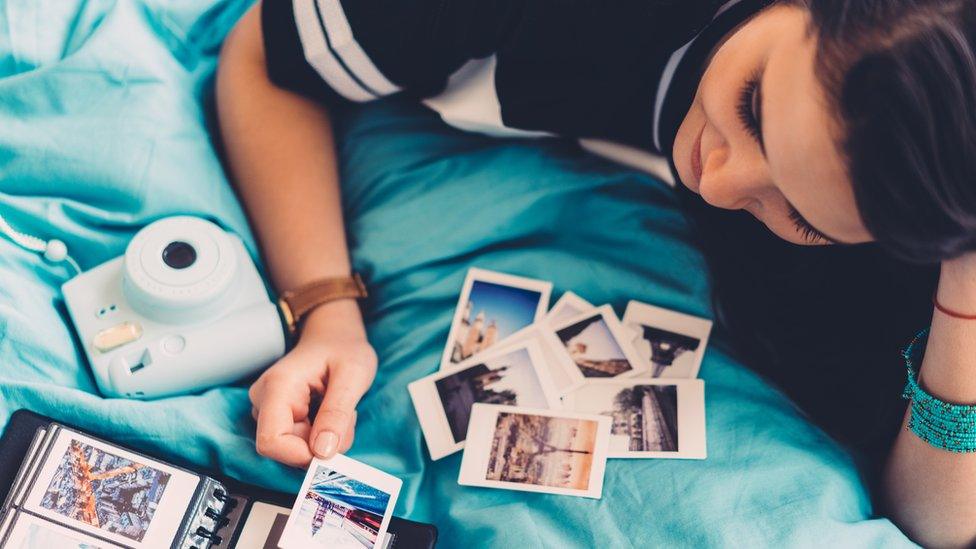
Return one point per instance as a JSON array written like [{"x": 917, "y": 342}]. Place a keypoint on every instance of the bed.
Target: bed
[{"x": 106, "y": 123}]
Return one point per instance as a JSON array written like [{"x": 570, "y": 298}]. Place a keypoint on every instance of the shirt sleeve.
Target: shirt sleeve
[{"x": 360, "y": 50}]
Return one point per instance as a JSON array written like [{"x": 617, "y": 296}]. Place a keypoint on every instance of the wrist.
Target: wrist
[
  {"x": 339, "y": 318},
  {"x": 957, "y": 283}
]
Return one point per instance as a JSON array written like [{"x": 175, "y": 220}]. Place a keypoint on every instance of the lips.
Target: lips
[{"x": 696, "y": 156}]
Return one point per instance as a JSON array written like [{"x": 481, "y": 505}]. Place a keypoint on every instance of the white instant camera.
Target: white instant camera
[{"x": 184, "y": 309}]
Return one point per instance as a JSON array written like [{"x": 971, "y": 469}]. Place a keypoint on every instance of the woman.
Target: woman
[{"x": 839, "y": 123}]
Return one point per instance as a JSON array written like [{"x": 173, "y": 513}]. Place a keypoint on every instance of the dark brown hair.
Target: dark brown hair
[
  {"x": 826, "y": 323},
  {"x": 901, "y": 77}
]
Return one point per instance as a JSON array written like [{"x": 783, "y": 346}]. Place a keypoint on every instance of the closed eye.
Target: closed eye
[
  {"x": 749, "y": 109},
  {"x": 810, "y": 233}
]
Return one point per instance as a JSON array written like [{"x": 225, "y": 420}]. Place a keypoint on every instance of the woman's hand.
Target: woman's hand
[{"x": 332, "y": 361}]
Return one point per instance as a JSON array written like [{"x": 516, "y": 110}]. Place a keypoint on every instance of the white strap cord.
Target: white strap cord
[{"x": 53, "y": 250}]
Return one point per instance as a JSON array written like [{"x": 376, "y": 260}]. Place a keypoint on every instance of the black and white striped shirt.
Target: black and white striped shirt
[{"x": 602, "y": 71}]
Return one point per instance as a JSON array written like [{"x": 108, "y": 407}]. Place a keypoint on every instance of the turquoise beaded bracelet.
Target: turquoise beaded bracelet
[{"x": 944, "y": 425}]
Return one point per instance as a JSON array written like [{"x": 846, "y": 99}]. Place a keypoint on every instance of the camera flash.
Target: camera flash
[{"x": 117, "y": 336}]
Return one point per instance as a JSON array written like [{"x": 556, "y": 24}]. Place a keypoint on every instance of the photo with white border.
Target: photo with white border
[
  {"x": 536, "y": 450},
  {"x": 652, "y": 418},
  {"x": 491, "y": 307},
  {"x": 264, "y": 526},
  {"x": 562, "y": 370},
  {"x": 671, "y": 343},
  {"x": 110, "y": 492},
  {"x": 569, "y": 306},
  {"x": 514, "y": 375},
  {"x": 30, "y": 532},
  {"x": 599, "y": 346},
  {"x": 342, "y": 503}
]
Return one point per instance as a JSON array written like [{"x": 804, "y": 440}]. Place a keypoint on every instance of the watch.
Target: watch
[{"x": 297, "y": 303}]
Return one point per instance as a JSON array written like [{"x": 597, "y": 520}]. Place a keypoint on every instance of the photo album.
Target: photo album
[
  {"x": 68, "y": 489},
  {"x": 539, "y": 398}
]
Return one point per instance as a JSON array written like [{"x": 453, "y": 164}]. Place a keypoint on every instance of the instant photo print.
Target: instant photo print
[
  {"x": 562, "y": 370},
  {"x": 569, "y": 306},
  {"x": 492, "y": 307},
  {"x": 264, "y": 526},
  {"x": 652, "y": 418},
  {"x": 599, "y": 346},
  {"x": 62, "y": 487},
  {"x": 342, "y": 503},
  {"x": 672, "y": 343},
  {"x": 515, "y": 375},
  {"x": 536, "y": 450},
  {"x": 23, "y": 530}
]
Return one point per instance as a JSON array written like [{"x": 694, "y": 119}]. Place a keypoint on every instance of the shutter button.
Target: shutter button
[{"x": 174, "y": 345}]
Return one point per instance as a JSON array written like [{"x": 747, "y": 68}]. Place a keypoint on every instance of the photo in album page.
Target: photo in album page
[
  {"x": 30, "y": 532},
  {"x": 264, "y": 526},
  {"x": 109, "y": 492}
]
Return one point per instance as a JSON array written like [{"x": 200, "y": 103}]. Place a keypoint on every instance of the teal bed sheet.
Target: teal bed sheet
[{"x": 106, "y": 123}]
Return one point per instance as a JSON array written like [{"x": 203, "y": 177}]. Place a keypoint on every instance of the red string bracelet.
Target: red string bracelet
[{"x": 941, "y": 308}]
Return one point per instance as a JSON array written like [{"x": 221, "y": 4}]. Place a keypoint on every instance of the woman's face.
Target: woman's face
[{"x": 759, "y": 135}]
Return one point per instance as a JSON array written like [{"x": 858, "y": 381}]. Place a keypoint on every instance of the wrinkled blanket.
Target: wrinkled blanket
[{"x": 106, "y": 123}]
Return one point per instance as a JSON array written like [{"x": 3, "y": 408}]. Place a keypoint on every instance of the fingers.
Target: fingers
[
  {"x": 350, "y": 435},
  {"x": 279, "y": 435},
  {"x": 301, "y": 429},
  {"x": 332, "y": 429}
]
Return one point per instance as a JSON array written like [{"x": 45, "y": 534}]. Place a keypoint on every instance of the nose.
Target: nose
[{"x": 732, "y": 177}]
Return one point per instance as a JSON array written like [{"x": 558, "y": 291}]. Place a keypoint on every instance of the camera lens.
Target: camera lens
[{"x": 179, "y": 255}]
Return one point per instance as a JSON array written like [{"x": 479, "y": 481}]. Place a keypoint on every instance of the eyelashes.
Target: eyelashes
[
  {"x": 746, "y": 107},
  {"x": 808, "y": 231}
]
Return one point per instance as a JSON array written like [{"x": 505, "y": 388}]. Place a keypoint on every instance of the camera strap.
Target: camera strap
[{"x": 53, "y": 250}]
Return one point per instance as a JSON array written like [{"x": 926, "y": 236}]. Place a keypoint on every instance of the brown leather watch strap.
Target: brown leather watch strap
[{"x": 295, "y": 304}]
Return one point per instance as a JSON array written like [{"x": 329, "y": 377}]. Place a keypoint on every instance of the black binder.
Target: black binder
[{"x": 215, "y": 517}]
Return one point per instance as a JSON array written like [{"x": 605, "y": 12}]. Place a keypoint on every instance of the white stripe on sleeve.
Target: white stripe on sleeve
[
  {"x": 352, "y": 54},
  {"x": 470, "y": 101},
  {"x": 319, "y": 56}
]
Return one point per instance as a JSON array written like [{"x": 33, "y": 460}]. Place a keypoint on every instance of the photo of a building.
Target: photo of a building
[
  {"x": 341, "y": 512},
  {"x": 648, "y": 416},
  {"x": 542, "y": 450},
  {"x": 506, "y": 379},
  {"x": 662, "y": 347},
  {"x": 106, "y": 491},
  {"x": 491, "y": 313},
  {"x": 593, "y": 348}
]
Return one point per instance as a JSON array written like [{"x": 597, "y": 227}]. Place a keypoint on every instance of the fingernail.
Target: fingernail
[{"x": 325, "y": 444}]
